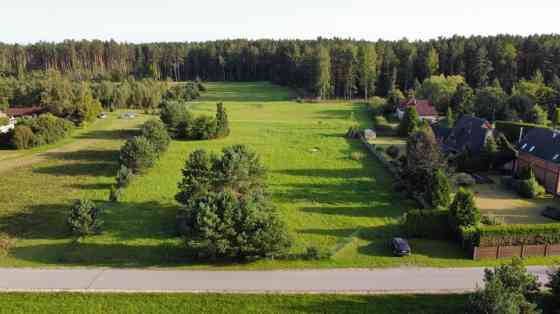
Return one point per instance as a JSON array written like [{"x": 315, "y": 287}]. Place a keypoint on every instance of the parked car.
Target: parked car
[
  {"x": 128, "y": 115},
  {"x": 102, "y": 115},
  {"x": 400, "y": 247}
]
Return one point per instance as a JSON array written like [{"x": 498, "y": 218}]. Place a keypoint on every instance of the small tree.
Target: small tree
[
  {"x": 514, "y": 277},
  {"x": 197, "y": 176},
  {"x": 124, "y": 177},
  {"x": 463, "y": 211},
  {"x": 423, "y": 158},
  {"x": 440, "y": 190},
  {"x": 138, "y": 154},
  {"x": 222, "y": 123},
  {"x": 155, "y": 131},
  {"x": 23, "y": 137},
  {"x": 84, "y": 218},
  {"x": 410, "y": 122},
  {"x": 488, "y": 154},
  {"x": 497, "y": 299}
]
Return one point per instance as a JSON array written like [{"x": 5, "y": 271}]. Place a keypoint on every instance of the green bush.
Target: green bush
[
  {"x": 124, "y": 176},
  {"x": 84, "y": 218},
  {"x": 357, "y": 156},
  {"x": 431, "y": 224},
  {"x": 154, "y": 130},
  {"x": 439, "y": 192},
  {"x": 23, "y": 137},
  {"x": 509, "y": 235},
  {"x": 175, "y": 114},
  {"x": 382, "y": 126},
  {"x": 222, "y": 121},
  {"x": 138, "y": 154},
  {"x": 554, "y": 283},
  {"x": 313, "y": 253},
  {"x": 530, "y": 188},
  {"x": 115, "y": 194},
  {"x": 203, "y": 128},
  {"x": 463, "y": 211},
  {"x": 4, "y": 121},
  {"x": 512, "y": 129}
]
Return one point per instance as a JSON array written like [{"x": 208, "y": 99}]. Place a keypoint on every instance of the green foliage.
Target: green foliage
[
  {"x": 154, "y": 130},
  {"x": 439, "y": 90},
  {"x": 175, "y": 115},
  {"x": 23, "y": 137},
  {"x": 382, "y": 126},
  {"x": 423, "y": 158},
  {"x": 379, "y": 106},
  {"x": 410, "y": 122},
  {"x": 313, "y": 253},
  {"x": 512, "y": 130},
  {"x": 526, "y": 184},
  {"x": 556, "y": 117},
  {"x": 138, "y": 154},
  {"x": 439, "y": 192},
  {"x": 450, "y": 118},
  {"x": 197, "y": 176},
  {"x": 84, "y": 218},
  {"x": 4, "y": 121},
  {"x": 537, "y": 115},
  {"x": 518, "y": 234},
  {"x": 184, "y": 92},
  {"x": 124, "y": 177},
  {"x": 463, "y": 211},
  {"x": 115, "y": 193},
  {"x": 393, "y": 151},
  {"x": 430, "y": 224},
  {"x": 489, "y": 103},
  {"x": 514, "y": 277},
  {"x": 222, "y": 122},
  {"x": 203, "y": 128},
  {"x": 554, "y": 283}
]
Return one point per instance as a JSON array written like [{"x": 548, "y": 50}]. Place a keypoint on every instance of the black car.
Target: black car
[{"x": 400, "y": 247}]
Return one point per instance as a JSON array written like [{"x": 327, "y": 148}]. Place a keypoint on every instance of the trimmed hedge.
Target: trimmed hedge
[
  {"x": 506, "y": 235},
  {"x": 432, "y": 224},
  {"x": 511, "y": 129}
]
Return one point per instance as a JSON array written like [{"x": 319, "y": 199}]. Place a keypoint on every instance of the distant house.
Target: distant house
[
  {"x": 425, "y": 109},
  {"x": 24, "y": 112},
  {"x": 540, "y": 150},
  {"x": 469, "y": 133},
  {"x": 5, "y": 128}
]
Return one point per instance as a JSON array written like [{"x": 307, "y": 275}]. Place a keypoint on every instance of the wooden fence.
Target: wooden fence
[{"x": 496, "y": 252}]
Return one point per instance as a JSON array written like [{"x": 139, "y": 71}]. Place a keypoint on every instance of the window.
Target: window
[
  {"x": 532, "y": 148},
  {"x": 555, "y": 156},
  {"x": 524, "y": 145}
]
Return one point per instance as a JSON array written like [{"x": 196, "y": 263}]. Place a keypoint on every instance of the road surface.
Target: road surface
[{"x": 378, "y": 281}]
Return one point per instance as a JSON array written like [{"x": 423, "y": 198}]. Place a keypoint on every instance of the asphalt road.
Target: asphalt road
[{"x": 378, "y": 281}]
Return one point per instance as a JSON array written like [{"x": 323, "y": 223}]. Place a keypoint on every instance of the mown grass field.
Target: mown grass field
[
  {"x": 62, "y": 303},
  {"x": 327, "y": 199}
]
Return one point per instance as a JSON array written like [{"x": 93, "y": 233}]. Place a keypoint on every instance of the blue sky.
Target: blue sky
[{"x": 27, "y": 21}]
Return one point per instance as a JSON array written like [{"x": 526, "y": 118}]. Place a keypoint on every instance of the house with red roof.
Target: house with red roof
[
  {"x": 424, "y": 107},
  {"x": 24, "y": 112}
]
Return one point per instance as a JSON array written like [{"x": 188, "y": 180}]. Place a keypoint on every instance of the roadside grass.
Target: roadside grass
[
  {"x": 327, "y": 199},
  {"x": 60, "y": 303}
]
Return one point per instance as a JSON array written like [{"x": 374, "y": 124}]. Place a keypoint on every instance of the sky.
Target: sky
[{"x": 27, "y": 21}]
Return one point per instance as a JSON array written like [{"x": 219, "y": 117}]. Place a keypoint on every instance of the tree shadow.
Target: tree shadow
[
  {"x": 96, "y": 169},
  {"x": 95, "y": 155},
  {"x": 110, "y": 134}
]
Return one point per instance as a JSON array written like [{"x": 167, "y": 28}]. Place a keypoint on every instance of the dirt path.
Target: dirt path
[{"x": 14, "y": 159}]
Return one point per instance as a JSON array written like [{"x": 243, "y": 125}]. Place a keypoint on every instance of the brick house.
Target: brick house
[
  {"x": 425, "y": 109},
  {"x": 540, "y": 150}
]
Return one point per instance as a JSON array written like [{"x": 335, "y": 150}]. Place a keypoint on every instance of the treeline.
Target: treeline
[{"x": 322, "y": 67}]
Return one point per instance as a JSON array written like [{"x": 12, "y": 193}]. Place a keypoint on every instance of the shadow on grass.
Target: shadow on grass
[
  {"x": 95, "y": 155},
  {"x": 86, "y": 162},
  {"x": 110, "y": 134}
]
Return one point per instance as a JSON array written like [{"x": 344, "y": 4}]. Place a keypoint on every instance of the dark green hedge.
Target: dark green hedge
[
  {"x": 503, "y": 235},
  {"x": 432, "y": 224},
  {"x": 511, "y": 129}
]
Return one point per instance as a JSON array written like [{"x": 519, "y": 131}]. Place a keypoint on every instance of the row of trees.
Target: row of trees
[
  {"x": 325, "y": 67},
  {"x": 183, "y": 125}
]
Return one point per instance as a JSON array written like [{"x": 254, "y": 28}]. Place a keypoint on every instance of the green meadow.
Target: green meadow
[{"x": 327, "y": 199}]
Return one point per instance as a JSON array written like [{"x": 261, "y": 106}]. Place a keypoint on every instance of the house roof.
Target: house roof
[
  {"x": 541, "y": 143},
  {"x": 469, "y": 132},
  {"x": 424, "y": 107},
  {"x": 24, "y": 111}
]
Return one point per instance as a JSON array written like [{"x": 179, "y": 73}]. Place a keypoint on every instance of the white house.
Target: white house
[{"x": 7, "y": 127}]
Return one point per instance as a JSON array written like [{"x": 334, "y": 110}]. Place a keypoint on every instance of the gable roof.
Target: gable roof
[
  {"x": 25, "y": 111},
  {"x": 541, "y": 143},
  {"x": 469, "y": 132},
  {"x": 424, "y": 107}
]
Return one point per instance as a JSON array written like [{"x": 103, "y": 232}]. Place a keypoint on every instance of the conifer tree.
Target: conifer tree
[{"x": 222, "y": 122}]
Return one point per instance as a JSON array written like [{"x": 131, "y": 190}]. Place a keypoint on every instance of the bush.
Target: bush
[
  {"x": 530, "y": 188},
  {"x": 175, "y": 114},
  {"x": 357, "y": 156},
  {"x": 313, "y": 253},
  {"x": 203, "y": 128},
  {"x": 84, "y": 218},
  {"x": 463, "y": 211},
  {"x": 554, "y": 283},
  {"x": 222, "y": 122},
  {"x": 430, "y": 224},
  {"x": 514, "y": 277},
  {"x": 353, "y": 132},
  {"x": 463, "y": 180},
  {"x": 439, "y": 192},
  {"x": 124, "y": 177},
  {"x": 115, "y": 194},
  {"x": 23, "y": 137},
  {"x": 138, "y": 154},
  {"x": 491, "y": 220},
  {"x": 155, "y": 131},
  {"x": 393, "y": 151}
]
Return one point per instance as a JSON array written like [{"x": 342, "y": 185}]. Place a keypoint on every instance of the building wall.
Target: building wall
[{"x": 547, "y": 173}]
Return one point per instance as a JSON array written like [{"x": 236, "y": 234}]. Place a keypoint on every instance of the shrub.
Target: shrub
[
  {"x": 138, "y": 154},
  {"x": 124, "y": 177},
  {"x": 224, "y": 225},
  {"x": 497, "y": 299},
  {"x": 554, "y": 283},
  {"x": 410, "y": 122},
  {"x": 514, "y": 277},
  {"x": 439, "y": 192},
  {"x": 491, "y": 220},
  {"x": 115, "y": 194},
  {"x": 463, "y": 211},
  {"x": 23, "y": 137},
  {"x": 357, "y": 156},
  {"x": 530, "y": 188},
  {"x": 84, "y": 218},
  {"x": 463, "y": 180},
  {"x": 174, "y": 114},
  {"x": 393, "y": 151},
  {"x": 222, "y": 122},
  {"x": 518, "y": 234},
  {"x": 313, "y": 253},
  {"x": 431, "y": 224},
  {"x": 203, "y": 128},
  {"x": 155, "y": 131}
]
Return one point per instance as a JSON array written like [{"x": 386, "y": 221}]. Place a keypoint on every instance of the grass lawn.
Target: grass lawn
[
  {"x": 60, "y": 303},
  {"x": 327, "y": 199}
]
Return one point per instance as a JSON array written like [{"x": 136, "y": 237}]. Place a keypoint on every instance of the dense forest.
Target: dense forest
[{"x": 323, "y": 67}]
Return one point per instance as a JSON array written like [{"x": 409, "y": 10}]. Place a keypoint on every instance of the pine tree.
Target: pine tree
[
  {"x": 322, "y": 70},
  {"x": 222, "y": 122},
  {"x": 450, "y": 118},
  {"x": 463, "y": 211},
  {"x": 410, "y": 122},
  {"x": 366, "y": 69},
  {"x": 439, "y": 190},
  {"x": 482, "y": 68}
]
